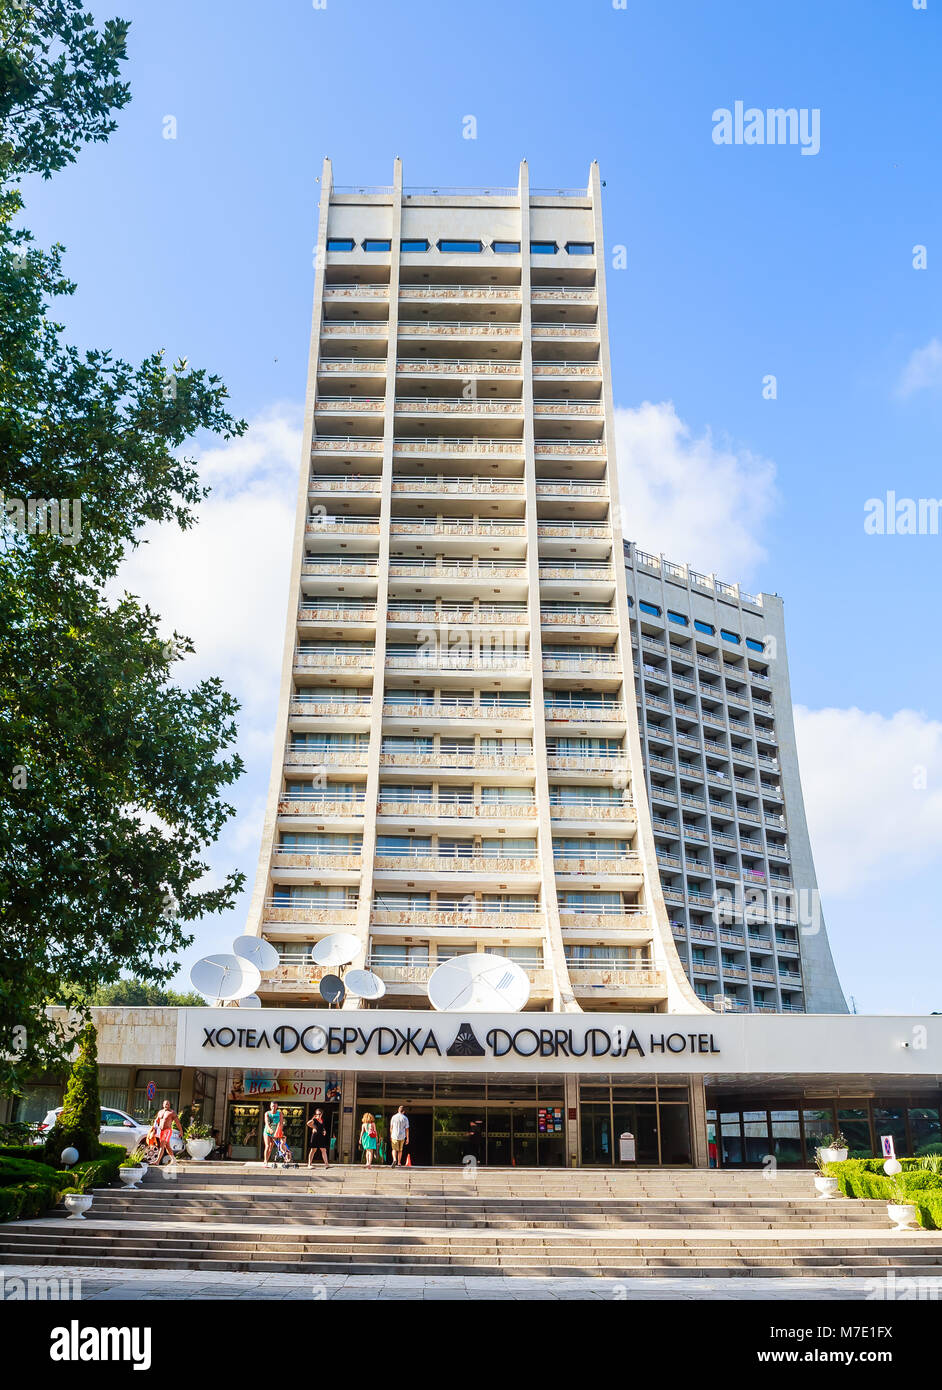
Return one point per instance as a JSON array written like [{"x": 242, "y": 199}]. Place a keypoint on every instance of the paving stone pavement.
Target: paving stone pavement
[{"x": 122, "y": 1284}]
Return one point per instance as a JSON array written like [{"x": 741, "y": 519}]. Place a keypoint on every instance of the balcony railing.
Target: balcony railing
[
  {"x": 460, "y": 707},
  {"x": 455, "y": 526},
  {"x": 460, "y": 807},
  {"x": 455, "y": 405},
  {"x": 455, "y": 444},
  {"x": 334, "y": 656},
  {"x": 577, "y": 569},
  {"x": 545, "y": 367},
  {"x": 470, "y": 483},
  {"x": 457, "y": 366},
  {"x": 586, "y": 448},
  {"x": 364, "y": 291},
  {"x": 343, "y": 482},
  {"x": 456, "y": 328},
  {"x": 490, "y": 292},
  {"x": 356, "y": 525}
]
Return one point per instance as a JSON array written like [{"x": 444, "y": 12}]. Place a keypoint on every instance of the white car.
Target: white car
[{"x": 116, "y": 1127}]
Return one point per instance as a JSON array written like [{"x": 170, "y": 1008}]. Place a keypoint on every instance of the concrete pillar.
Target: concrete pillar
[
  {"x": 700, "y": 1152},
  {"x": 571, "y": 1103},
  {"x": 348, "y": 1118}
]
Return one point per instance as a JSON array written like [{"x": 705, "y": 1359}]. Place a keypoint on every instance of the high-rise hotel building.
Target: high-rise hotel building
[{"x": 486, "y": 739}]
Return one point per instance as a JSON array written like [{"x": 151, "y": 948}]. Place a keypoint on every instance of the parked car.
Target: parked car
[{"x": 116, "y": 1127}]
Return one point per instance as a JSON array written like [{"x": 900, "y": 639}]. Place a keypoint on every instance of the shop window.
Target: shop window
[
  {"x": 854, "y": 1124},
  {"x": 925, "y": 1129}
]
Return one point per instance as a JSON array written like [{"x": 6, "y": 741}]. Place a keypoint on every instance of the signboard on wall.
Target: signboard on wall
[
  {"x": 270, "y": 1084},
  {"x": 314, "y": 1043}
]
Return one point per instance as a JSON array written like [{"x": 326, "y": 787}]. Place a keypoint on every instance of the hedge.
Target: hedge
[
  {"x": 864, "y": 1178},
  {"x": 30, "y": 1187}
]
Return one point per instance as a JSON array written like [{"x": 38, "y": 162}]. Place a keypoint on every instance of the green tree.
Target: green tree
[
  {"x": 112, "y": 777},
  {"x": 79, "y": 1124},
  {"x": 138, "y": 992}
]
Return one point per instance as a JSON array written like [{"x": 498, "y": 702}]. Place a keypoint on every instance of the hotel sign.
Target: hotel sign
[{"x": 316, "y": 1041}]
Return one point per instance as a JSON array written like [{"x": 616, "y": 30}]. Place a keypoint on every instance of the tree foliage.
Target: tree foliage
[
  {"x": 112, "y": 777},
  {"x": 79, "y": 1123},
  {"x": 139, "y": 993}
]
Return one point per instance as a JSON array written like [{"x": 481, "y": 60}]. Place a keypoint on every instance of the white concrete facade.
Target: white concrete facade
[
  {"x": 456, "y": 764},
  {"x": 723, "y": 782}
]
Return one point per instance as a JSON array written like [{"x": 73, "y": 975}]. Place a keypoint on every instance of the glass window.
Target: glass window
[
  {"x": 755, "y": 646},
  {"x": 854, "y": 1124},
  {"x": 413, "y": 244},
  {"x": 677, "y": 618},
  {"x": 925, "y": 1129},
  {"x": 340, "y": 243},
  {"x": 891, "y": 1120},
  {"x": 580, "y": 248},
  {"x": 376, "y": 244},
  {"x": 729, "y": 636},
  {"x": 543, "y": 248},
  {"x": 704, "y": 627},
  {"x": 450, "y": 246},
  {"x": 649, "y": 608},
  {"x": 505, "y": 248}
]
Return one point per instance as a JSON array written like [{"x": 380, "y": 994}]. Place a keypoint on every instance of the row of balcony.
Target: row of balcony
[
  {"x": 539, "y": 294},
  {"x": 456, "y": 328},
  {"x": 462, "y": 367}
]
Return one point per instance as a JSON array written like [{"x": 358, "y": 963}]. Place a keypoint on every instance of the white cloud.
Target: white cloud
[
  {"x": 923, "y": 371},
  {"x": 224, "y": 581},
  {"x": 690, "y": 498},
  {"x": 873, "y": 796}
]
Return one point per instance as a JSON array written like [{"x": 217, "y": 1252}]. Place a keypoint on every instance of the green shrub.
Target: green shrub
[
  {"x": 864, "y": 1178},
  {"x": 36, "y": 1153},
  {"x": 79, "y": 1124}
]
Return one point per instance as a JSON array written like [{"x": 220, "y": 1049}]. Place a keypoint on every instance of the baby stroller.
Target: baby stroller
[{"x": 283, "y": 1152}]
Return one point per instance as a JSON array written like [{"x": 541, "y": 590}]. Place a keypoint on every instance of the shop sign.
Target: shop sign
[{"x": 284, "y": 1085}]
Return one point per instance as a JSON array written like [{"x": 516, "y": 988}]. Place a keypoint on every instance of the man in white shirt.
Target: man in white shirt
[{"x": 399, "y": 1134}]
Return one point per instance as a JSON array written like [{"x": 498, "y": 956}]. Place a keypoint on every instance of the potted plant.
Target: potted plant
[
  {"x": 825, "y": 1184},
  {"x": 132, "y": 1169},
  {"x": 76, "y": 1203},
  {"x": 833, "y": 1148},
  {"x": 899, "y": 1209},
  {"x": 199, "y": 1139}
]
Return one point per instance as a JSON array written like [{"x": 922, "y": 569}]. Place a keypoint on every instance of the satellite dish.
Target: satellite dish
[
  {"x": 225, "y": 977},
  {"x": 259, "y": 951},
  {"x": 364, "y": 984},
  {"x": 479, "y": 983},
  {"x": 340, "y": 948},
  {"x": 251, "y": 1001},
  {"x": 331, "y": 988}
]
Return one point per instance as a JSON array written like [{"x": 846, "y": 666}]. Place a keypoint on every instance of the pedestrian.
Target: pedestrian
[
  {"x": 274, "y": 1128},
  {"x": 399, "y": 1134},
  {"x": 164, "y": 1125},
  {"x": 369, "y": 1138},
  {"x": 319, "y": 1138}
]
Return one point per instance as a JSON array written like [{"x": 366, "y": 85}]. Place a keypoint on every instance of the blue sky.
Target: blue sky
[{"x": 742, "y": 261}]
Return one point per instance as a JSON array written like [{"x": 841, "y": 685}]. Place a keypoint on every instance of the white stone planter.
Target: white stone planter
[
  {"x": 199, "y": 1149},
  {"x": 903, "y": 1215},
  {"x": 132, "y": 1177},
  {"x": 77, "y": 1204},
  {"x": 833, "y": 1155},
  {"x": 826, "y": 1187}
]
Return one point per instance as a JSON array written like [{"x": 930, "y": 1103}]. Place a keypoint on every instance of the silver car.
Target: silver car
[{"x": 116, "y": 1127}]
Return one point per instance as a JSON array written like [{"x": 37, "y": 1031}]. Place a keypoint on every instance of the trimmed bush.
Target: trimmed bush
[
  {"x": 80, "y": 1122},
  {"x": 864, "y": 1178}
]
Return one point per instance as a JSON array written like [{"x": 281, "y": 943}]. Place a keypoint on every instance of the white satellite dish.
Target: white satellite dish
[
  {"x": 479, "y": 983},
  {"x": 225, "y": 977},
  {"x": 259, "y": 951},
  {"x": 364, "y": 984},
  {"x": 251, "y": 1001},
  {"x": 340, "y": 948}
]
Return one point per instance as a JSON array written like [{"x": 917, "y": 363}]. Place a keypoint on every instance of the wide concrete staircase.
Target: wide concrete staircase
[{"x": 516, "y": 1222}]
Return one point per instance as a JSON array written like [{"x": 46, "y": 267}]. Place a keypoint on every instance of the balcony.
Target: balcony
[
  {"x": 429, "y": 661},
  {"x": 341, "y": 707},
  {"x": 457, "y": 707},
  {"x": 645, "y": 983},
  {"x": 457, "y": 328},
  {"x": 588, "y": 332},
  {"x": 456, "y": 569},
  {"x": 343, "y": 525},
  {"x": 558, "y": 529},
  {"x": 463, "y": 367},
  {"x": 489, "y": 614},
  {"x": 321, "y": 801},
  {"x": 454, "y": 526},
  {"x": 330, "y": 657},
  {"x": 599, "y": 865},
  {"x": 314, "y": 859},
  {"x": 569, "y": 448},
  {"x": 311, "y": 914},
  {"x": 467, "y": 485},
  {"x": 339, "y": 567},
  {"x": 353, "y": 366},
  {"x": 325, "y": 755},
  {"x": 364, "y": 291},
  {"x": 474, "y": 862},
  {"x": 564, "y": 368},
  {"x": 567, "y": 405},
  {"x": 511, "y": 406},
  {"x": 354, "y": 328},
  {"x": 451, "y": 759},
  {"x": 345, "y": 405},
  {"x": 465, "y": 445},
  {"x": 343, "y": 482},
  {"x": 584, "y": 712},
  {"x": 314, "y": 611},
  {"x": 419, "y": 919},
  {"x": 577, "y": 569},
  {"x": 347, "y": 444},
  {"x": 603, "y": 662},
  {"x": 592, "y": 810},
  {"x": 453, "y": 293},
  {"x": 562, "y": 294},
  {"x": 457, "y": 808}
]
